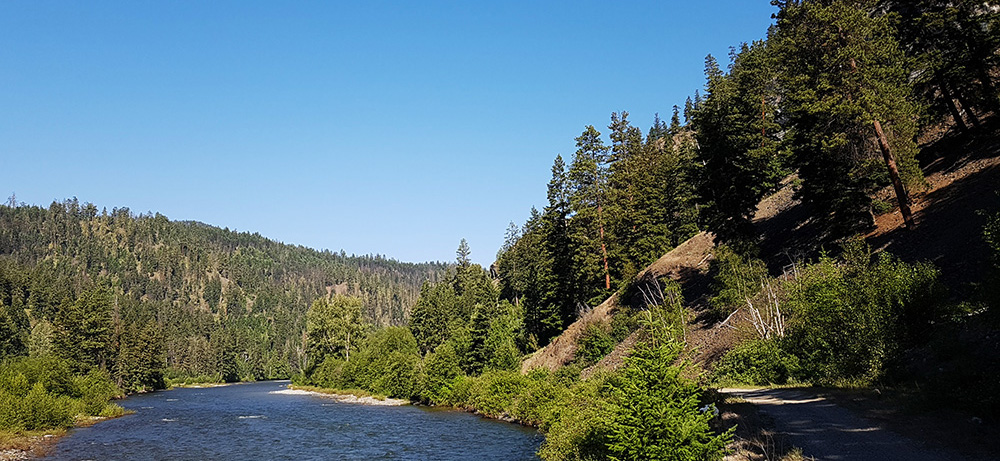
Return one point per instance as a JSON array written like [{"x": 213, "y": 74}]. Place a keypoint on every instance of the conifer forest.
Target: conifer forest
[{"x": 809, "y": 162}]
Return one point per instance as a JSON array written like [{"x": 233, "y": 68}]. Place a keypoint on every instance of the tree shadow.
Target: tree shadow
[{"x": 949, "y": 228}]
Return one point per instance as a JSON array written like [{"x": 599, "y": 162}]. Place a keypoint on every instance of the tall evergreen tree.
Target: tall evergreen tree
[
  {"x": 559, "y": 296},
  {"x": 847, "y": 98},
  {"x": 737, "y": 137},
  {"x": 954, "y": 46},
  {"x": 588, "y": 198},
  {"x": 623, "y": 207},
  {"x": 83, "y": 328}
]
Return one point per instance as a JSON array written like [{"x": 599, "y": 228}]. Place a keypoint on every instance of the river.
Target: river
[{"x": 248, "y": 421}]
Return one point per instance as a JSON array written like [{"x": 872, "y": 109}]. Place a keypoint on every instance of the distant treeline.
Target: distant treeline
[{"x": 104, "y": 288}]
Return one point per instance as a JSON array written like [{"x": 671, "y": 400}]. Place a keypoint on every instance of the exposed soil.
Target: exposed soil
[
  {"x": 562, "y": 350},
  {"x": 963, "y": 175}
]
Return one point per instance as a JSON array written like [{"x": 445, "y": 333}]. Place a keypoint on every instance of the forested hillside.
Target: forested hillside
[
  {"x": 136, "y": 294},
  {"x": 831, "y": 107}
]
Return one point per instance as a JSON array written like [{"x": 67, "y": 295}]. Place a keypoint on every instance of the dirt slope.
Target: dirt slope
[
  {"x": 963, "y": 174},
  {"x": 562, "y": 349},
  {"x": 687, "y": 263}
]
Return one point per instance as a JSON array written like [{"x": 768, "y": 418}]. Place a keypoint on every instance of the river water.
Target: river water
[{"x": 247, "y": 421}]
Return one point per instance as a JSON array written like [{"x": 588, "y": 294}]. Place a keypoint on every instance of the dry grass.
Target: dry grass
[
  {"x": 27, "y": 444},
  {"x": 562, "y": 350},
  {"x": 359, "y": 393}
]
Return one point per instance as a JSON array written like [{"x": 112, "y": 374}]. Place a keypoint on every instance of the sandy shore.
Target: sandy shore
[{"x": 346, "y": 398}]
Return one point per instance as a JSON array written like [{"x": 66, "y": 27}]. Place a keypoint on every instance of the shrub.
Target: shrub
[
  {"x": 536, "y": 403},
  {"x": 579, "y": 423},
  {"x": 735, "y": 278},
  {"x": 759, "y": 362},
  {"x": 623, "y": 324},
  {"x": 95, "y": 390},
  {"x": 328, "y": 374},
  {"x": 395, "y": 375},
  {"x": 848, "y": 320},
  {"x": 41, "y": 410},
  {"x": 497, "y": 392},
  {"x": 42, "y": 393},
  {"x": 440, "y": 368},
  {"x": 387, "y": 364},
  {"x": 464, "y": 390},
  {"x": 594, "y": 343},
  {"x": 654, "y": 412}
]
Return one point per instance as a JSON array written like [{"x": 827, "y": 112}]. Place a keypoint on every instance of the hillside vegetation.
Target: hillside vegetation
[
  {"x": 724, "y": 245},
  {"x": 140, "y": 295},
  {"x": 806, "y": 143}
]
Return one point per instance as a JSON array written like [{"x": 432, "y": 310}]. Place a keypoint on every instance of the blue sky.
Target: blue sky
[{"x": 383, "y": 127}]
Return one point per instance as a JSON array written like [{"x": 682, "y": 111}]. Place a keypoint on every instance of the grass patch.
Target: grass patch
[
  {"x": 359, "y": 393},
  {"x": 26, "y": 440}
]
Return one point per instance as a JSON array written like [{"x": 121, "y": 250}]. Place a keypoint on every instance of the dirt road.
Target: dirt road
[{"x": 825, "y": 431}]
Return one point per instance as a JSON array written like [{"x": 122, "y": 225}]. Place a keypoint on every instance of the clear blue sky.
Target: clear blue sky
[{"x": 371, "y": 126}]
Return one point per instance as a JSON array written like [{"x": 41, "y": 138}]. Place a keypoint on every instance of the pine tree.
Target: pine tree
[
  {"x": 83, "y": 329},
  {"x": 479, "y": 327},
  {"x": 675, "y": 122},
  {"x": 623, "y": 209},
  {"x": 462, "y": 254},
  {"x": 559, "y": 295},
  {"x": 738, "y": 138},
  {"x": 846, "y": 91},
  {"x": 588, "y": 198},
  {"x": 952, "y": 44}
]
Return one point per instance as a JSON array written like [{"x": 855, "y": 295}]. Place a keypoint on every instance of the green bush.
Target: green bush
[
  {"x": 497, "y": 391},
  {"x": 756, "y": 363},
  {"x": 578, "y": 426},
  {"x": 396, "y": 375},
  {"x": 538, "y": 400},
  {"x": 387, "y": 364},
  {"x": 623, "y": 324},
  {"x": 440, "y": 368},
  {"x": 42, "y": 393},
  {"x": 848, "y": 320},
  {"x": 42, "y": 410},
  {"x": 464, "y": 390},
  {"x": 735, "y": 278},
  {"x": 654, "y": 412},
  {"x": 95, "y": 389},
  {"x": 328, "y": 374},
  {"x": 594, "y": 343}
]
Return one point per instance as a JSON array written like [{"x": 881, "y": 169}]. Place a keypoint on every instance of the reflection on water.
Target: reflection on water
[{"x": 246, "y": 422}]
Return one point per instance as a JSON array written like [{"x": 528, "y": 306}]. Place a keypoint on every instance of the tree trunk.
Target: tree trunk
[
  {"x": 955, "y": 114},
  {"x": 897, "y": 183},
  {"x": 604, "y": 249},
  {"x": 989, "y": 91},
  {"x": 968, "y": 109}
]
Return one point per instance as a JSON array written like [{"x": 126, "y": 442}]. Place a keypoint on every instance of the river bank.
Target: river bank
[
  {"x": 357, "y": 397},
  {"x": 27, "y": 444},
  {"x": 18, "y": 445},
  {"x": 265, "y": 421}
]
